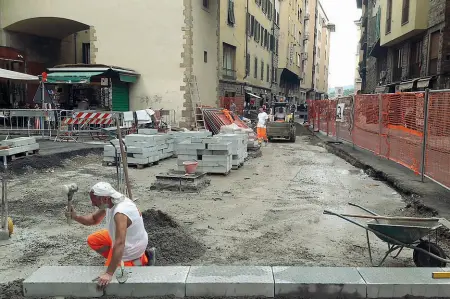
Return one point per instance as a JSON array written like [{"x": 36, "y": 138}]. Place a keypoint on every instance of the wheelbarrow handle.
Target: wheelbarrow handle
[{"x": 362, "y": 208}]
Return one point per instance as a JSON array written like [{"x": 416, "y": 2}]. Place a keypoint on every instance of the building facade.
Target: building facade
[
  {"x": 316, "y": 42},
  {"x": 291, "y": 54},
  {"x": 177, "y": 61},
  {"x": 249, "y": 49},
  {"x": 404, "y": 45}
]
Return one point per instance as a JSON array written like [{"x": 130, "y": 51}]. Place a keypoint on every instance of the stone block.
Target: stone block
[
  {"x": 16, "y": 142},
  {"x": 219, "y": 153},
  {"x": 216, "y": 158},
  {"x": 319, "y": 282},
  {"x": 402, "y": 282},
  {"x": 212, "y": 140},
  {"x": 19, "y": 149},
  {"x": 225, "y": 146},
  {"x": 214, "y": 281},
  {"x": 186, "y": 152},
  {"x": 190, "y": 146},
  {"x": 148, "y": 131},
  {"x": 139, "y": 161},
  {"x": 78, "y": 282},
  {"x": 204, "y": 152}
]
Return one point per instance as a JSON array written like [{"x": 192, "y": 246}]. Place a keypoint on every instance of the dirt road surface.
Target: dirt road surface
[{"x": 270, "y": 212}]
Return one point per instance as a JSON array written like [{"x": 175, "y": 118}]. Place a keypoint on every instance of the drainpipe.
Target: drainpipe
[
  {"x": 75, "y": 46},
  {"x": 246, "y": 42}
]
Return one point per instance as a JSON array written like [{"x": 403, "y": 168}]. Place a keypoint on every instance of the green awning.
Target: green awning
[
  {"x": 71, "y": 77},
  {"x": 128, "y": 78}
]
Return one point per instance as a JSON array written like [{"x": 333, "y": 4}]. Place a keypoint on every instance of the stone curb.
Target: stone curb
[{"x": 241, "y": 281}]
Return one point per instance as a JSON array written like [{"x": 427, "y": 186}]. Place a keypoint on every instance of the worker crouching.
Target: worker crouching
[{"x": 125, "y": 238}]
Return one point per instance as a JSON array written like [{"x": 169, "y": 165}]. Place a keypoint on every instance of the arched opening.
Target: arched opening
[{"x": 44, "y": 43}]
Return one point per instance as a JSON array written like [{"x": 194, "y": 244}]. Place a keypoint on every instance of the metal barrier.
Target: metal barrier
[
  {"x": 392, "y": 126},
  {"x": 94, "y": 124},
  {"x": 29, "y": 122}
]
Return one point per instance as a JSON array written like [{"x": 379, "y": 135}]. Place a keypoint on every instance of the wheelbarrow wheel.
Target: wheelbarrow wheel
[{"x": 424, "y": 260}]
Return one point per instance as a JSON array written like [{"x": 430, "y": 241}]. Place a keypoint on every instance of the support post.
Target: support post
[
  {"x": 425, "y": 133},
  {"x": 380, "y": 121},
  {"x": 124, "y": 158},
  {"x": 335, "y": 120}
]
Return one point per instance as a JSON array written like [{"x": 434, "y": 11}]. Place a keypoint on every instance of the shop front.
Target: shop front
[{"x": 90, "y": 87}]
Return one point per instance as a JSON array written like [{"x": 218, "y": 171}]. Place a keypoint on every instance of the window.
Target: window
[
  {"x": 258, "y": 2},
  {"x": 434, "y": 52},
  {"x": 231, "y": 19},
  {"x": 405, "y": 12},
  {"x": 256, "y": 68},
  {"x": 247, "y": 64},
  {"x": 205, "y": 56},
  {"x": 206, "y": 4},
  {"x": 257, "y": 31},
  {"x": 298, "y": 59},
  {"x": 278, "y": 18},
  {"x": 262, "y": 70},
  {"x": 86, "y": 52},
  {"x": 252, "y": 26},
  {"x": 268, "y": 73},
  {"x": 388, "y": 16},
  {"x": 229, "y": 61},
  {"x": 263, "y": 35},
  {"x": 415, "y": 59}
]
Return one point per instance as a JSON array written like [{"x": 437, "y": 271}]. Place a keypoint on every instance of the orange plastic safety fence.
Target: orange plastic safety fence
[
  {"x": 344, "y": 127},
  {"x": 402, "y": 130},
  {"x": 437, "y": 154},
  {"x": 366, "y": 125}
]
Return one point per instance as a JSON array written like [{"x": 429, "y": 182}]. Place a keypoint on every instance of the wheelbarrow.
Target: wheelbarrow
[{"x": 401, "y": 232}]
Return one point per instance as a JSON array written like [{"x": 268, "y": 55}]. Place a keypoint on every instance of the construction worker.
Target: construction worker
[
  {"x": 261, "y": 126},
  {"x": 125, "y": 238}
]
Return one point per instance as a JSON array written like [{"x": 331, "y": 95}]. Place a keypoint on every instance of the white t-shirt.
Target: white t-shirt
[
  {"x": 137, "y": 238},
  {"x": 262, "y": 119}
]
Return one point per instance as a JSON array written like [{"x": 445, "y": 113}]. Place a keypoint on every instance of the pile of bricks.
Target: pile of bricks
[
  {"x": 143, "y": 149},
  {"x": 238, "y": 147},
  {"x": 213, "y": 154},
  {"x": 252, "y": 141},
  {"x": 19, "y": 147}
]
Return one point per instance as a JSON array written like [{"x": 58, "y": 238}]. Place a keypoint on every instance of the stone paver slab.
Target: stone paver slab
[
  {"x": 228, "y": 281},
  {"x": 65, "y": 281},
  {"x": 319, "y": 282},
  {"x": 401, "y": 282}
]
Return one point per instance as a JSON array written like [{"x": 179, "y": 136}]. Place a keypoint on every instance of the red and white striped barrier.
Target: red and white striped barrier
[{"x": 93, "y": 118}]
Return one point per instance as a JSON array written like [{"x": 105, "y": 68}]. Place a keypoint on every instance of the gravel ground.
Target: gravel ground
[{"x": 270, "y": 212}]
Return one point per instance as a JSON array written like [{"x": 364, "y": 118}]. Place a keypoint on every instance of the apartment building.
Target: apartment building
[
  {"x": 291, "y": 54},
  {"x": 358, "y": 81},
  {"x": 316, "y": 45},
  {"x": 404, "y": 45},
  {"x": 249, "y": 49},
  {"x": 166, "y": 52}
]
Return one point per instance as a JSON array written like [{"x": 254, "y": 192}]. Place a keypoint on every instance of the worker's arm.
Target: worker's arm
[
  {"x": 121, "y": 221},
  {"x": 91, "y": 219}
]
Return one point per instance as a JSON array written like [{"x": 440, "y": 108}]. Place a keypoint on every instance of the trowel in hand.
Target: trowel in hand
[{"x": 121, "y": 275}]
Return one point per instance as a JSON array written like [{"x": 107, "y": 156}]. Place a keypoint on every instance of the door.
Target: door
[{"x": 120, "y": 96}]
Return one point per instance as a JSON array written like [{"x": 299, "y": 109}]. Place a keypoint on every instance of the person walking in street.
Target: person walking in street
[
  {"x": 125, "y": 238},
  {"x": 261, "y": 126}
]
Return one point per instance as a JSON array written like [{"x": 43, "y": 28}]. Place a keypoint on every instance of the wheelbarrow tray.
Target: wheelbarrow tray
[{"x": 403, "y": 231}]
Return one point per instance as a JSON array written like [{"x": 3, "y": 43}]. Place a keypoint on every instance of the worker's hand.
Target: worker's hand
[
  {"x": 72, "y": 214},
  {"x": 103, "y": 280}
]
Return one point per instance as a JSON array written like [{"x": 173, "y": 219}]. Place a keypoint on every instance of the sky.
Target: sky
[{"x": 343, "y": 42}]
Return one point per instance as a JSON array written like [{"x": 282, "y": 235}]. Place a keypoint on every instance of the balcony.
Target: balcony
[
  {"x": 229, "y": 74},
  {"x": 400, "y": 30}
]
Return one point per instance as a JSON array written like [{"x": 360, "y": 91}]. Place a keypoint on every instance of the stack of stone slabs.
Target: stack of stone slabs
[
  {"x": 181, "y": 136},
  {"x": 238, "y": 147},
  {"x": 213, "y": 154},
  {"x": 19, "y": 145}
]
